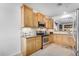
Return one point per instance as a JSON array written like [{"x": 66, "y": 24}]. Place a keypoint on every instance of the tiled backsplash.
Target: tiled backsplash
[
  {"x": 28, "y": 31},
  {"x": 32, "y": 31}
]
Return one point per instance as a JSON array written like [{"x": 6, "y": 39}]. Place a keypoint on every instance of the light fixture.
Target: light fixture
[
  {"x": 65, "y": 15},
  {"x": 64, "y": 12}
]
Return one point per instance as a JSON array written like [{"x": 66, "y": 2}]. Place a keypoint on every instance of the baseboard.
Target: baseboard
[{"x": 16, "y": 54}]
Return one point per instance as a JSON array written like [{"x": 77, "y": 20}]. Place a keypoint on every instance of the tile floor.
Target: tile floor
[{"x": 55, "y": 50}]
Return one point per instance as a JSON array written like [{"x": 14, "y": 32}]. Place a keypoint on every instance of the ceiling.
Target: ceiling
[{"x": 54, "y": 9}]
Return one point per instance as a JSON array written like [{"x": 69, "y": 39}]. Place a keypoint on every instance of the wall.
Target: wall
[
  {"x": 77, "y": 31},
  {"x": 9, "y": 29}
]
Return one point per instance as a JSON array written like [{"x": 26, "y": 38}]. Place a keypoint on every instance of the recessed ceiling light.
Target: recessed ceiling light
[{"x": 64, "y": 12}]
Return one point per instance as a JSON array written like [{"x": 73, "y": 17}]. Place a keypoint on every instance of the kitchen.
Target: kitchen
[{"x": 47, "y": 35}]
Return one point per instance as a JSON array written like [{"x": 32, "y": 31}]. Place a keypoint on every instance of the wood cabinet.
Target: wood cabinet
[
  {"x": 27, "y": 16},
  {"x": 51, "y": 24},
  {"x": 68, "y": 41},
  {"x": 50, "y": 38},
  {"x": 64, "y": 40},
  {"x": 23, "y": 46},
  {"x": 48, "y": 23},
  {"x": 31, "y": 19},
  {"x": 30, "y": 45},
  {"x": 35, "y": 20},
  {"x": 57, "y": 39},
  {"x": 40, "y": 16},
  {"x": 38, "y": 43}
]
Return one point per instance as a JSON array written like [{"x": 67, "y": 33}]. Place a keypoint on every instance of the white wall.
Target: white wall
[{"x": 9, "y": 29}]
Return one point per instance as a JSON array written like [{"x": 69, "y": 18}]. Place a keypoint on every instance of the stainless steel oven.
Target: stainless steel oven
[{"x": 45, "y": 40}]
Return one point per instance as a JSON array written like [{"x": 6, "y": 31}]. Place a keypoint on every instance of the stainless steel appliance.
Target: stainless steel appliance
[
  {"x": 44, "y": 36},
  {"x": 45, "y": 40}
]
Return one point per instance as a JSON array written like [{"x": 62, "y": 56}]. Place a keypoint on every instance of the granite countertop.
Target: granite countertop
[
  {"x": 30, "y": 36},
  {"x": 33, "y": 36},
  {"x": 60, "y": 32}
]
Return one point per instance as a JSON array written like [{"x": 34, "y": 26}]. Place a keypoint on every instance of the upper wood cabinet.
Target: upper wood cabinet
[
  {"x": 35, "y": 19},
  {"x": 31, "y": 19},
  {"x": 48, "y": 23},
  {"x": 27, "y": 16},
  {"x": 40, "y": 16}
]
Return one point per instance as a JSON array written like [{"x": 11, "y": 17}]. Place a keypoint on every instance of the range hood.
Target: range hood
[{"x": 41, "y": 24}]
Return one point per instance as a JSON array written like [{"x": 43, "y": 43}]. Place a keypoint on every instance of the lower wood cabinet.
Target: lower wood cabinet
[
  {"x": 30, "y": 45},
  {"x": 57, "y": 39},
  {"x": 38, "y": 43},
  {"x": 64, "y": 40},
  {"x": 50, "y": 38}
]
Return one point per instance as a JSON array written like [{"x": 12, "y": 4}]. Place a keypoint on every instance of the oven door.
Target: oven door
[{"x": 45, "y": 40}]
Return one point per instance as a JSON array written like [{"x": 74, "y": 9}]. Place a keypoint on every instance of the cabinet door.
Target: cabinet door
[
  {"x": 71, "y": 41},
  {"x": 50, "y": 38},
  {"x": 30, "y": 46},
  {"x": 46, "y": 23},
  {"x": 40, "y": 16},
  {"x": 33, "y": 44},
  {"x": 27, "y": 16},
  {"x": 35, "y": 20},
  {"x": 65, "y": 40},
  {"x": 23, "y": 46},
  {"x": 50, "y": 24},
  {"x": 54, "y": 40},
  {"x": 57, "y": 39},
  {"x": 38, "y": 43}
]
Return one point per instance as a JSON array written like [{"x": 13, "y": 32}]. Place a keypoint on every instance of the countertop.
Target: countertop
[
  {"x": 61, "y": 32},
  {"x": 30, "y": 36},
  {"x": 34, "y": 36}
]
